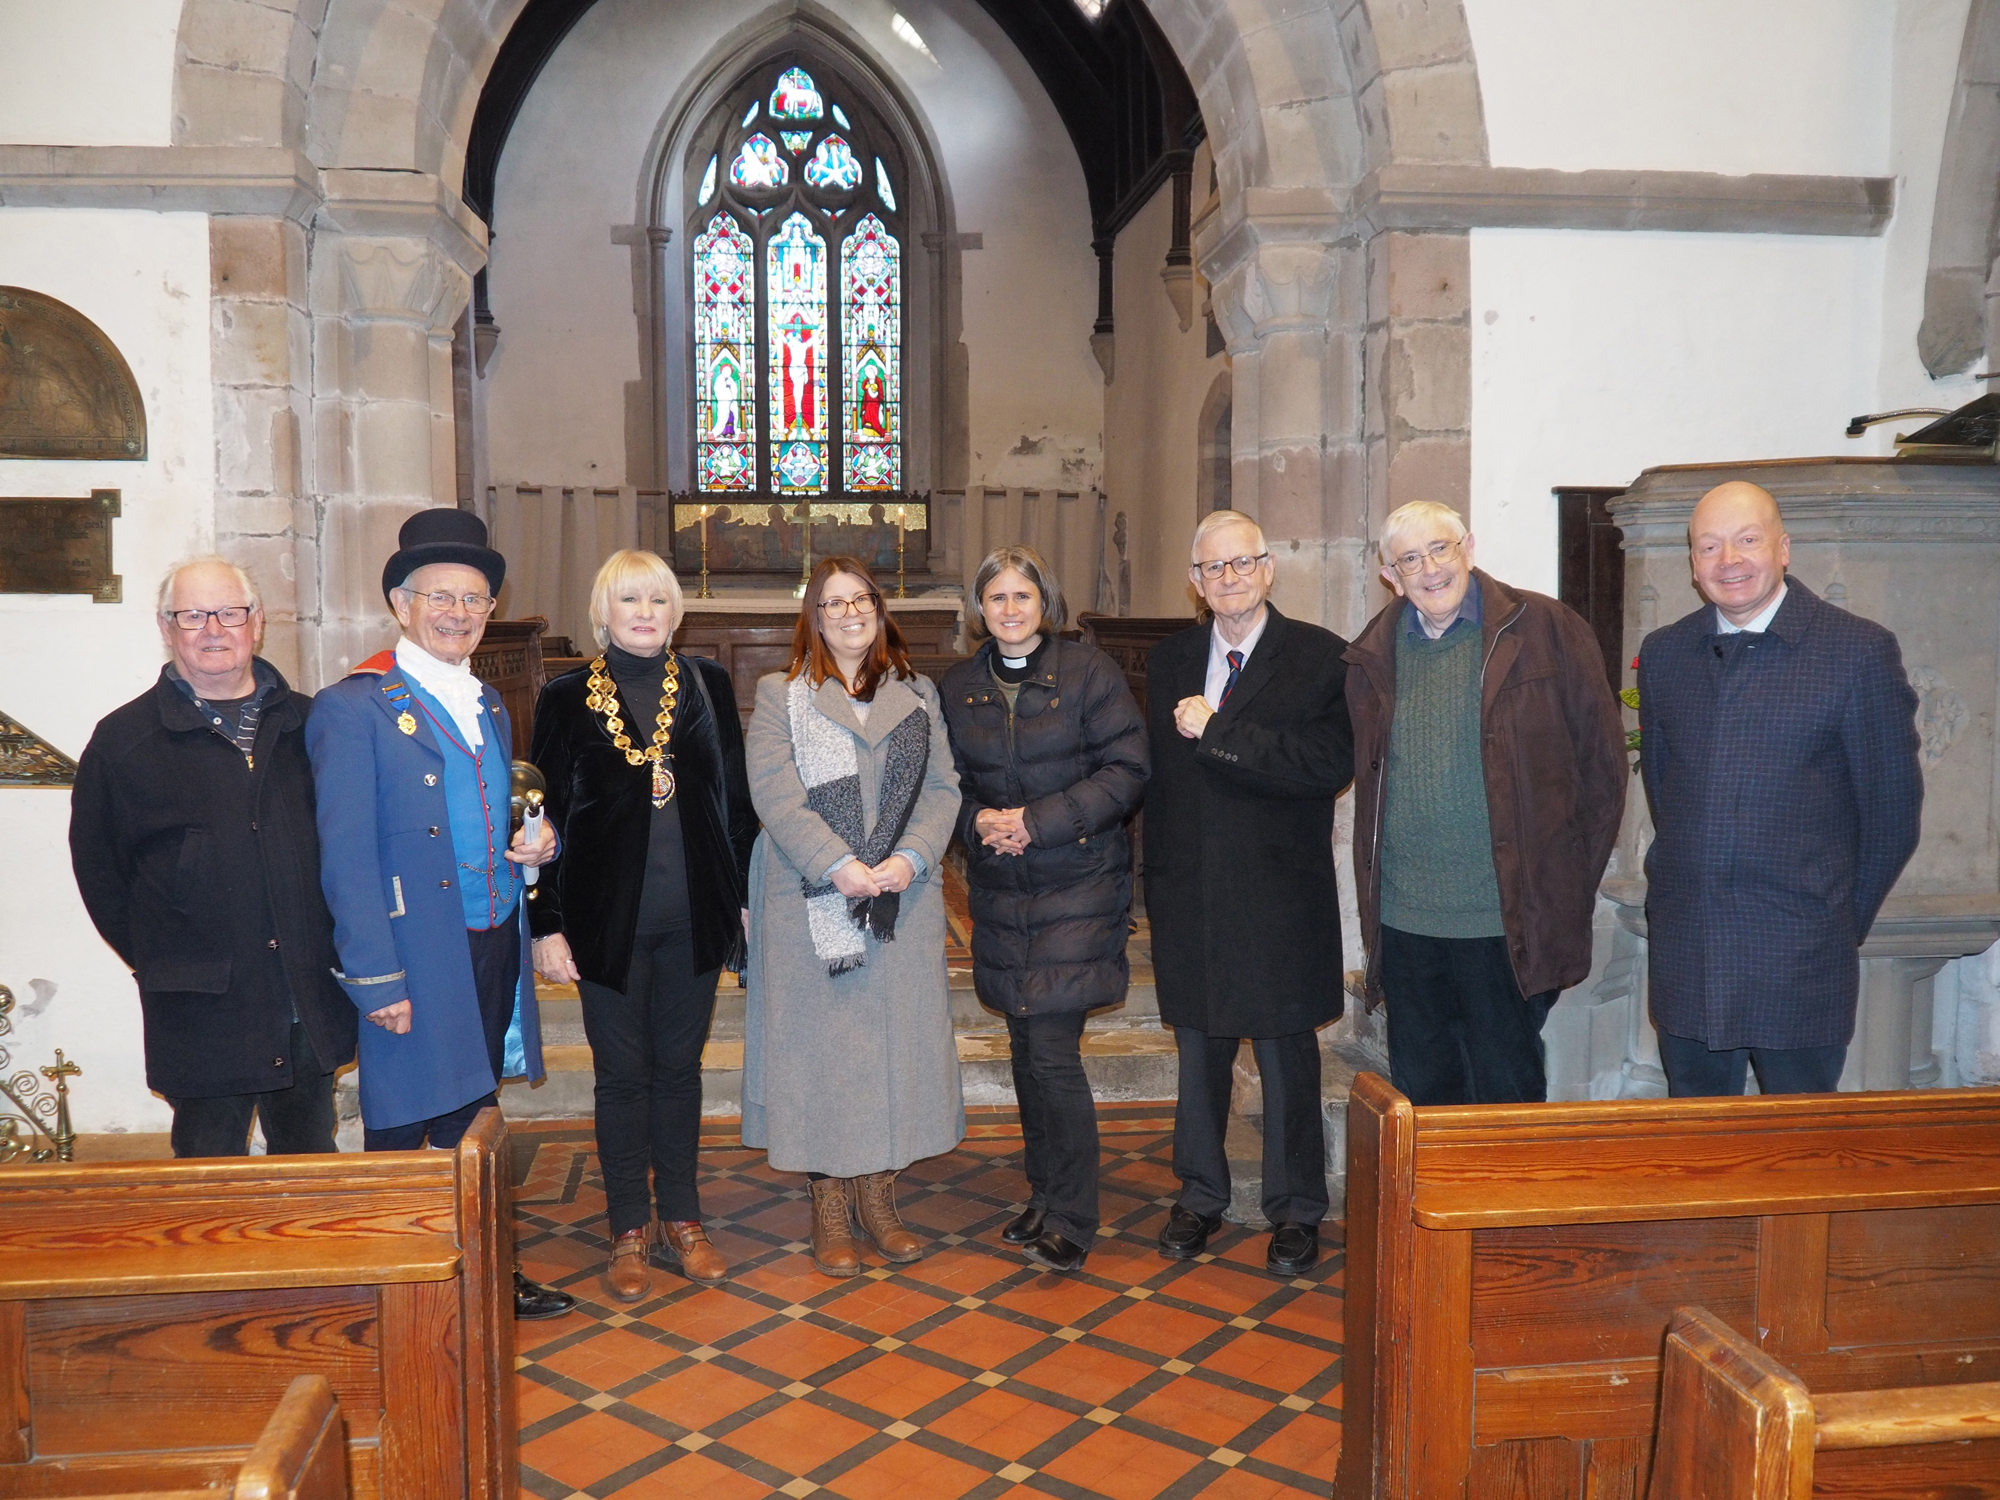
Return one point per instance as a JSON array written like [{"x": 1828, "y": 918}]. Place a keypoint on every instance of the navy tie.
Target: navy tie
[{"x": 1235, "y": 659}]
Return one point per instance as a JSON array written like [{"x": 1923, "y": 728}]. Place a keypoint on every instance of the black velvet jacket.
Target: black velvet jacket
[{"x": 602, "y": 808}]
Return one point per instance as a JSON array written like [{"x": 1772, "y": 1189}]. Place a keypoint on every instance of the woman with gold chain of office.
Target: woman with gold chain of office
[{"x": 643, "y": 754}]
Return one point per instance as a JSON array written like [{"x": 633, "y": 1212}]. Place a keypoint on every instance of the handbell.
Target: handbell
[{"x": 527, "y": 789}]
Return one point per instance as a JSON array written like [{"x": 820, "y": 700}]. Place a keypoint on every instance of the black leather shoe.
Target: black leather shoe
[
  {"x": 534, "y": 1302},
  {"x": 1054, "y": 1253},
  {"x": 1186, "y": 1233},
  {"x": 1294, "y": 1249},
  {"x": 1027, "y": 1225}
]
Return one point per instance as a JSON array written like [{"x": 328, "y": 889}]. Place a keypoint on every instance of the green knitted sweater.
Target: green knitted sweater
[{"x": 1437, "y": 840}]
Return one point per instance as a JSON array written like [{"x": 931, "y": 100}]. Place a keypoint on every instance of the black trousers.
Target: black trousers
[
  {"x": 1058, "y": 1122},
  {"x": 298, "y": 1121},
  {"x": 645, "y": 1046},
  {"x": 1294, "y": 1136},
  {"x": 1460, "y": 1030},
  {"x": 496, "y": 972},
  {"x": 1694, "y": 1072}
]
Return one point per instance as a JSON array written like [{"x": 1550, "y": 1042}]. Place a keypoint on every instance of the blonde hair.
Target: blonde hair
[
  {"x": 1028, "y": 563},
  {"x": 1416, "y": 515},
  {"x": 206, "y": 560},
  {"x": 623, "y": 569},
  {"x": 1215, "y": 520}
]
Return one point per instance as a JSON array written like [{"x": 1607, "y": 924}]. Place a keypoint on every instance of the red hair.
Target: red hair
[{"x": 809, "y": 653}]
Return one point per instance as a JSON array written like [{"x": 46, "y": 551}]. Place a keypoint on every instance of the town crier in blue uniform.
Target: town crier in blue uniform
[{"x": 412, "y": 758}]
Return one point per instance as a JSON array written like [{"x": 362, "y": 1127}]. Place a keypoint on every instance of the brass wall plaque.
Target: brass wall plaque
[
  {"x": 65, "y": 390},
  {"x": 60, "y": 547},
  {"x": 26, "y": 759}
]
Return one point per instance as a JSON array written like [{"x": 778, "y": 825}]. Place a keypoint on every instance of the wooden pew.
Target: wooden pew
[
  {"x": 1511, "y": 1272},
  {"x": 1737, "y": 1425},
  {"x": 152, "y": 1313}
]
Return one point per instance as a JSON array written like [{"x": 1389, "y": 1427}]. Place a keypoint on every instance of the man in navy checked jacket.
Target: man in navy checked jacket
[{"x": 1779, "y": 749}]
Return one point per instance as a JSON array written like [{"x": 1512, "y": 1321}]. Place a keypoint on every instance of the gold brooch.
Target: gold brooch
[{"x": 406, "y": 722}]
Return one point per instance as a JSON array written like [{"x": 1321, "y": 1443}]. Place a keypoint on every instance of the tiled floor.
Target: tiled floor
[{"x": 963, "y": 1376}]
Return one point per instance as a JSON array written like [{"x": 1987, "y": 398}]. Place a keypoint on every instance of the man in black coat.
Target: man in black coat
[
  {"x": 193, "y": 841},
  {"x": 1777, "y": 737},
  {"x": 1251, "y": 744}
]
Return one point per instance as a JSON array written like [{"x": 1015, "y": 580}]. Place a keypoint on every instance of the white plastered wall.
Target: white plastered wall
[
  {"x": 87, "y": 72},
  {"x": 562, "y": 281},
  {"x": 1595, "y": 355},
  {"x": 65, "y": 662},
  {"x": 1152, "y": 412}
]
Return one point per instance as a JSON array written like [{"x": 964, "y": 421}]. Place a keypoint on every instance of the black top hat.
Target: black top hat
[{"x": 443, "y": 535}]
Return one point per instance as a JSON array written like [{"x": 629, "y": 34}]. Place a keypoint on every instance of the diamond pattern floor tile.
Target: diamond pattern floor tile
[{"x": 967, "y": 1375}]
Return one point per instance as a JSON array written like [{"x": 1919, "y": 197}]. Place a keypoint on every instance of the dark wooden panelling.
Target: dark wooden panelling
[
  {"x": 1914, "y": 1277},
  {"x": 1933, "y": 1471},
  {"x": 14, "y": 1413},
  {"x": 1539, "y": 1469},
  {"x": 1557, "y": 1295}
]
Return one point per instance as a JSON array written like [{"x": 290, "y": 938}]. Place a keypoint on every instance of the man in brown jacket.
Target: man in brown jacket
[{"x": 1489, "y": 781}]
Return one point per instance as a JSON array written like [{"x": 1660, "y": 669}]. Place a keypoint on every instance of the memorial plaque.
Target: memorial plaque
[
  {"x": 59, "y": 547},
  {"x": 26, "y": 759},
  {"x": 65, "y": 390}
]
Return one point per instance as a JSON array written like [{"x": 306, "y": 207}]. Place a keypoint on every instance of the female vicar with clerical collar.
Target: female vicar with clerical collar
[
  {"x": 849, "y": 1068},
  {"x": 642, "y": 751},
  {"x": 1052, "y": 757}
]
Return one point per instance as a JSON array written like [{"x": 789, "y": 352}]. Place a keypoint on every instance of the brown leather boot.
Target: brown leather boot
[
  {"x": 875, "y": 1211},
  {"x": 684, "y": 1245},
  {"x": 626, "y": 1276},
  {"x": 833, "y": 1241}
]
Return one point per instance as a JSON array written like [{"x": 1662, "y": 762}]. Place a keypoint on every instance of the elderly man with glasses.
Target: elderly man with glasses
[
  {"x": 1248, "y": 719},
  {"x": 412, "y": 755},
  {"x": 1490, "y": 778},
  {"x": 192, "y": 837}
]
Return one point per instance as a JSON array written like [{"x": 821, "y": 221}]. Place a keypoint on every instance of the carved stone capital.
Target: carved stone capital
[{"x": 400, "y": 281}]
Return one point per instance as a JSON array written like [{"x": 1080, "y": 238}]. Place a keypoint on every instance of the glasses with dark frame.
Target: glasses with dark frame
[
  {"x": 860, "y": 604},
  {"x": 1411, "y": 563},
  {"x": 1243, "y": 567},
  {"x": 229, "y": 616}
]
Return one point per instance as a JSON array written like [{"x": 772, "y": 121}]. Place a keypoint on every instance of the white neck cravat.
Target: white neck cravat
[{"x": 453, "y": 686}]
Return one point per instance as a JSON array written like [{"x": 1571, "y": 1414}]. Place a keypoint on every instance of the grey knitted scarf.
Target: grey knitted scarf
[{"x": 830, "y": 767}]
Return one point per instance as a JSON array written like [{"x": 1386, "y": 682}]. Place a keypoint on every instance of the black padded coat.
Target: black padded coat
[{"x": 1049, "y": 926}]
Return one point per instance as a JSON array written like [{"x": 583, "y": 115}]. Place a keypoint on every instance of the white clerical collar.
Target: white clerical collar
[
  {"x": 1757, "y": 626},
  {"x": 453, "y": 686}
]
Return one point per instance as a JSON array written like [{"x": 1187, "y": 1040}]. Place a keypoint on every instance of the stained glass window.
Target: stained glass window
[
  {"x": 795, "y": 284},
  {"x": 834, "y": 166},
  {"x": 758, "y": 164},
  {"x": 871, "y": 340},
  {"x": 725, "y": 353},
  {"x": 797, "y": 267},
  {"x": 795, "y": 97}
]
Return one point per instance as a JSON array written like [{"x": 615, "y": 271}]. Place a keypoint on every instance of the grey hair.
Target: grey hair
[
  {"x": 1215, "y": 520},
  {"x": 1407, "y": 518},
  {"x": 1028, "y": 563},
  {"x": 206, "y": 560}
]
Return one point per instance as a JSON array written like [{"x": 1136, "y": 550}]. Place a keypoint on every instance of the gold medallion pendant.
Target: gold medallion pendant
[
  {"x": 406, "y": 722},
  {"x": 603, "y": 699}
]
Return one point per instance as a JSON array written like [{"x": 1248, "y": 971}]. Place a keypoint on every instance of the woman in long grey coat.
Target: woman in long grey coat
[{"x": 850, "y": 1072}]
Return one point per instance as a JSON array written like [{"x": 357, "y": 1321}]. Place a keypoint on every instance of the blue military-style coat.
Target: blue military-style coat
[{"x": 391, "y": 876}]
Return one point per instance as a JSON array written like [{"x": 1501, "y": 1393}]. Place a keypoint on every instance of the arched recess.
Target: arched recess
[
  {"x": 1213, "y": 440},
  {"x": 1959, "y": 315},
  {"x": 934, "y": 419}
]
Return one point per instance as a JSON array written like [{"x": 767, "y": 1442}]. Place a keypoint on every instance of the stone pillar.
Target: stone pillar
[
  {"x": 392, "y": 266},
  {"x": 1419, "y": 364},
  {"x": 1916, "y": 547},
  {"x": 260, "y": 346}
]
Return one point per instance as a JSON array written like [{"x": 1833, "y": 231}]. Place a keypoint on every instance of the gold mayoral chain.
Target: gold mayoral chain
[{"x": 603, "y": 699}]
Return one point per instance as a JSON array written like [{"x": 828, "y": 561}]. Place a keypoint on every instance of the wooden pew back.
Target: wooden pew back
[
  {"x": 153, "y": 1313},
  {"x": 1511, "y": 1271},
  {"x": 1737, "y": 1425}
]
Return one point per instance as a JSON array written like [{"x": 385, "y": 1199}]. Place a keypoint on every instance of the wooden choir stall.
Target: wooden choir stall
[
  {"x": 1512, "y": 1271},
  {"x": 154, "y": 1315}
]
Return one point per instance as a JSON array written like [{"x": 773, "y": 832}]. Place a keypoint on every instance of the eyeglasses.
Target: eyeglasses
[
  {"x": 1243, "y": 566},
  {"x": 229, "y": 616},
  {"x": 1437, "y": 552},
  {"x": 475, "y": 604},
  {"x": 860, "y": 604}
]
